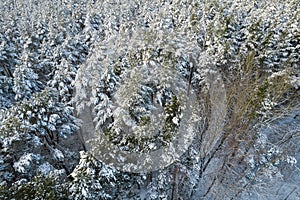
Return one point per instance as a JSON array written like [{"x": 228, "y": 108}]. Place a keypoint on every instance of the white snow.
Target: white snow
[
  {"x": 24, "y": 162},
  {"x": 45, "y": 168},
  {"x": 58, "y": 155}
]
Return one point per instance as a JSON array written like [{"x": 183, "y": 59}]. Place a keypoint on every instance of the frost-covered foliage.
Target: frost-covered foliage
[
  {"x": 40, "y": 187},
  {"x": 190, "y": 37},
  {"x": 43, "y": 116},
  {"x": 31, "y": 135},
  {"x": 25, "y": 80},
  {"x": 144, "y": 67},
  {"x": 6, "y": 92},
  {"x": 238, "y": 28},
  {"x": 92, "y": 180}
]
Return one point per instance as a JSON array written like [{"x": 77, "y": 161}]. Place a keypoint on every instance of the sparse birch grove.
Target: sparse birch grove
[{"x": 149, "y": 100}]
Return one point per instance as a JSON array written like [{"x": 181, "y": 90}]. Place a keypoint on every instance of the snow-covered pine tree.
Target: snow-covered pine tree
[
  {"x": 26, "y": 81},
  {"x": 92, "y": 179},
  {"x": 33, "y": 133}
]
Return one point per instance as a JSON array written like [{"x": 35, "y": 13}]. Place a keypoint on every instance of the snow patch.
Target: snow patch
[
  {"x": 24, "y": 163},
  {"x": 45, "y": 168}
]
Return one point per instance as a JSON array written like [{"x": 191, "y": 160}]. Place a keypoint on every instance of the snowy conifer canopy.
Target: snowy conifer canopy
[
  {"x": 137, "y": 88},
  {"x": 162, "y": 99}
]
